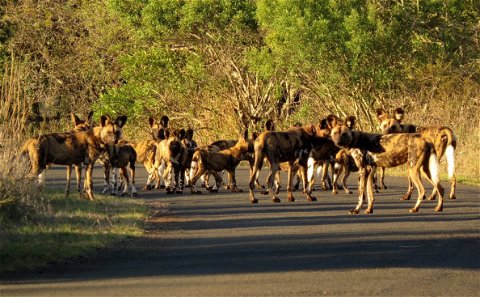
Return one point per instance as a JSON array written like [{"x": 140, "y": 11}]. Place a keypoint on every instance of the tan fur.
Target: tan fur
[{"x": 215, "y": 161}]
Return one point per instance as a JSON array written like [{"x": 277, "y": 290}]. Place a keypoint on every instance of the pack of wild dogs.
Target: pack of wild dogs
[{"x": 174, "y": 161}]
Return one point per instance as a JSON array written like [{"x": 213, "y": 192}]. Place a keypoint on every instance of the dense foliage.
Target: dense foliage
[{"x": 217, "y": 65}]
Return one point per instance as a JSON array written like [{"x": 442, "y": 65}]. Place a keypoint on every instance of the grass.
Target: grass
[{"x": 71, "y": 227}]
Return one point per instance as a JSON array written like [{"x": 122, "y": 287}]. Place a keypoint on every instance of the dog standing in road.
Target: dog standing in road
[
  {"x": 390, "y": 150},
  {"x": 442, "y": 138}
]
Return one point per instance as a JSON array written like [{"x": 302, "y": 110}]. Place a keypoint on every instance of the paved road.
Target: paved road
[{"x": 221, "y": 245}]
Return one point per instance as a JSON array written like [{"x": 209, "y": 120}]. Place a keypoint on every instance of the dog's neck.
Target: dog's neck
[{"x": 365, "y": 141}]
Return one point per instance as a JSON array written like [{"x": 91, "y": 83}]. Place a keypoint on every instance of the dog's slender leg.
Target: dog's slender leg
[
  {"x": 106, "y": 177},
  {"x": 310, "y": 172},
  {"x": 132, "y": 174},
  {"x": 69, "y": 174},
  {"x": 344, "y": 181},
  {"x": 258, "y": 164},
  {"x": 114, "y": 183},
  {"x": 274, "y": 167},
  {"x": 362, "y": 180},
  {"x": 453, "y": 187},
  {"x": 407, "y": 195},
  {"x": 326, "y": 183},
  {"x": 415, "y": 176},
  {"x": 306, "y": 187},
  {"x": 371, "y": 200},
  {"x": 125, "y": 179},
  {"x": 78, "y": 176},
  {"x": 382, "y": 179},
  {"x": 289, "y": 182},
  {"x": 338, "y": 169},
  {"x": 89, "y": 181}
]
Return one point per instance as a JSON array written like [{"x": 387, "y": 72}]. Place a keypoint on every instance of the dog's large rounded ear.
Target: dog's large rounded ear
[
  {"x": 121, "y": 120},
  {"x": 323, "y": 124},
  {"x": 75, "y": 119},
  {"x": 181, "y": 134},
  {"x": 189, "y": 134},
  {"x": 350, "y": 122},
  {"x": 151, "y": 121},
  {"x": 332, "y": 121},
  {"x": 89, "y": 117},
  {"x": 270, "y": 125},
  {"x": 161, "y": 134},
  {"x": 399, "y": 114},
  {"x": 104, "y": 120},
  {"x": 381, "y": 114},
  {"x": 164, "y": 121}
]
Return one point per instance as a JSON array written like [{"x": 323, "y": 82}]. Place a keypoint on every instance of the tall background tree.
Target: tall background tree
[{"x": 219, "y": 66}]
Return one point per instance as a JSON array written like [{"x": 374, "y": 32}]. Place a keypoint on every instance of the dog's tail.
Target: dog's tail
[
  {"x": 433, "y": 166},
  {"x": 259, "y": 151},
  {"x": 194, "y": 165},
  {"x": 450, "y": 152}
]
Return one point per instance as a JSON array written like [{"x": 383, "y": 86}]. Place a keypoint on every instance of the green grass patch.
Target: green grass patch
[{"x": 70, "y": 227}]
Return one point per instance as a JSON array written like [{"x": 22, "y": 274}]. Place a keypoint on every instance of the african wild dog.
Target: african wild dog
[
  {"x": 189, "y": 146},
  {"x": 121, "y": 156},
  {"x": 442, "y": 138},
  {"x": 346, "y": 161},
  {"x": 169, "y": 154},
  {"x": 389, "y": 151},
  {"x": 215, "y": 161},
  {"x": 77, "y": 148},
  {"x": 31, "y": 145},
  {"x": 323, "y": 155},
  {"x": 226, "y": 144},
  {"x": 287, "y": 146},
  {"x": 157, "y": 128}
]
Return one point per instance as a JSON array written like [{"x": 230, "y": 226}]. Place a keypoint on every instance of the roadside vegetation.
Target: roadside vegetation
[{"x": 38, "y": 227}]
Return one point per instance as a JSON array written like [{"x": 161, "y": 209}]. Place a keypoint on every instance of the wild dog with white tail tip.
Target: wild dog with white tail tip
[
  {"x": 442, "y": 138},
  {"x": 31, "y": 145},
  {"x": 390, "y": 150}
]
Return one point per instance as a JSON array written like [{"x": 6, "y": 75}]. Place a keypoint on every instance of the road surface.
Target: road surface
[{"x": 221, "y": 245}]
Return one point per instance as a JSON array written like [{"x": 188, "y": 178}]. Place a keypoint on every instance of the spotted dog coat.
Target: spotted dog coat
[
  {"x": 214, "y": 161},
  {"x": 287, "y": 146},
  {"x": 120, "y": 156},
  {"x": 31, "y": 145},
  {"x": 78, "y": 147},
  {"x": 443, "y": 139},
  {"x": 169, "y": 154},
  {"x": 389, "y": 151}
]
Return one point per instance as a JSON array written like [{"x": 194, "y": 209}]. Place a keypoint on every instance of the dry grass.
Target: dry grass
[{"x": 19, "y": 196}]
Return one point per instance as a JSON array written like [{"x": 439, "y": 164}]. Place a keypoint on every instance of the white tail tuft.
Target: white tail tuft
[
  {"x": 450, "y": 154},
  {"x": 193, "y": 170},
  {"x": 433, "y": 166}
]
